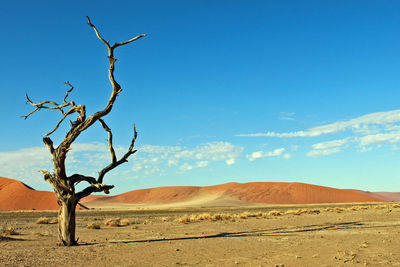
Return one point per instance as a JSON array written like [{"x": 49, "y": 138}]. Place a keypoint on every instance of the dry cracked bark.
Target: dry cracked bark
[{"x": 64, "y": 185}]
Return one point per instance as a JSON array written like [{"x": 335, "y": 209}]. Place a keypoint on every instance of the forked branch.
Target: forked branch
[
  {"x": 107, "y": 42},
  {"x": 53, "y": 105},
  {"x": 114, "y": 162}
]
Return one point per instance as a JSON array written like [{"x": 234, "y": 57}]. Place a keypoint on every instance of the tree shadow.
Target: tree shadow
[
  {"x": 8, "y": 238},
  {"x": 268, "y": 232}
]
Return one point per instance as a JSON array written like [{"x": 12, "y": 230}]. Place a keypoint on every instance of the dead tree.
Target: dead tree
[{"x": 64, "y": 185}]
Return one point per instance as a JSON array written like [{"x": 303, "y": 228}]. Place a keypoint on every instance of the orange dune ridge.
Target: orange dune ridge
[
  {"x": 256, "y": 192},
  {"x": 290, "y": 193},
  {"x": 15, "y": 195}
]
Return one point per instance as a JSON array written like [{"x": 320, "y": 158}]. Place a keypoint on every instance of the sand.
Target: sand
[{"x": 339, "y": 235}]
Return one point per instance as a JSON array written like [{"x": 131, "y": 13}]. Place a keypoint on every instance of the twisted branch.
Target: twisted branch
[
  {"x": 53, "y": 105},
  {"x": 114, "y": 162}
]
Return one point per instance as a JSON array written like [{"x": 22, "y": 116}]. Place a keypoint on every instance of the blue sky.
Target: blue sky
[{"x": 220, "y": 91}]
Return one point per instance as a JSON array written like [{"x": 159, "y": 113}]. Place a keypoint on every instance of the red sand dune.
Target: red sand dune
[
  {"x": 259, "y": 192},
  {"x": 387, "y": 196},
  {"x": 290, "y": 193},
  {"x": 15, "y": 195}
]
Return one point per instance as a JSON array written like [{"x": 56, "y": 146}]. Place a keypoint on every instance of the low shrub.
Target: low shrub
[
  {"x": 112, "y": 222},
  {"x": 93, "y": 226},
  {"x": 125, "y": 222},
  {"x": 43, "y": 220}
]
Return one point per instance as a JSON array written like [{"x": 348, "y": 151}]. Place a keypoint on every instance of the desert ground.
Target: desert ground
[{"x": 263, "y": 235}]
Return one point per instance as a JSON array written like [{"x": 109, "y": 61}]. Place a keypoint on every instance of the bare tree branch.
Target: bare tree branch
[
  {"x": 49, "y": 144},
  {"x": 110, "y": 144},
  {"x": 124, "y": 158},
  {"x": 41, "y": 105},
  {"x": 69, "y": 91},
  {"x": 129, "y": 41},
  {"x": 97, "y": 32},
  {"x": 76, "y": 108},
  {"x": 81, "y": 109},
  {"x": 95, "y": 186}
]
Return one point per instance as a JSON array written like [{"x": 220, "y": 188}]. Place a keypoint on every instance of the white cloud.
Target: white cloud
[
  {"x": 202, "y": 164},
  {"x": 287, "y": 116},
  {"x": 382, "y": 138},
  {"x": 328, "y": 148},
  {"x": 371, "y": 129},
  {"x": 199, "y": 157},
  {"x": 323, "y": 152},
  {"x": 186, "y": 167},
  {"x": 356, "y": 124},
  {"x": 230, "y": 161},
  {"x": 261, "y": 154},
  {"x": 287, "y": 156},
  {"x": 331, "y": 144}
]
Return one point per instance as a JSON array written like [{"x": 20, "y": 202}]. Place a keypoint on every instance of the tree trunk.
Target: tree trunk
[{"x": 66, "y": 222}]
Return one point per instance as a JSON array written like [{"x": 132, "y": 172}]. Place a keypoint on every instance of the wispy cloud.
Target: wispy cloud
[
  {"x": 328, "y": 148},
  {"x": 359, "y": 124},
  {"x": 382, "y": 138},
  {"x": 287, "y": 116},
  {"x": 264, "y": 154},
  {"x": 371, "y": 129},
  {"x": 187, "y": 159}
]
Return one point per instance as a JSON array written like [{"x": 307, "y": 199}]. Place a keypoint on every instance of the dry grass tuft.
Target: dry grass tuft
[
  {"x": 112, "y": 222},
  {"x": 205, "y": 217},
  {"x": 53, "y": 221},
  {"x": 8, "y": 230},
  {"x": 339, "y": 210},
  {"x": 247, "y": 214},
  {"x": 293, "y": 212},
  {"x": 93, "y": 226},
  {"x": 43, "y": 220},
  {"x": 275, "y": 213},
  {"x": 125, "y": 222},
  {"x": 221, "y": 217},
  {"x": 184, "y": 219},
  {"x": 116, "y": 222}
]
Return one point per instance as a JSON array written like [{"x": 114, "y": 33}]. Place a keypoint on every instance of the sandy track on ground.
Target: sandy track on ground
[{"x": 340, "y": 237}]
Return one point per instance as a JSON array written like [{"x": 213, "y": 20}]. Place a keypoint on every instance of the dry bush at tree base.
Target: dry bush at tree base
[{"x": 45, "y": 220}]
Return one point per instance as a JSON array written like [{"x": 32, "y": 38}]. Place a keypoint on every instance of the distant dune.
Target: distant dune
[
  {"x": 387, "y": 196},
  {"x": 234, "y": 194},
  {"x": 15, "y": 195}
]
